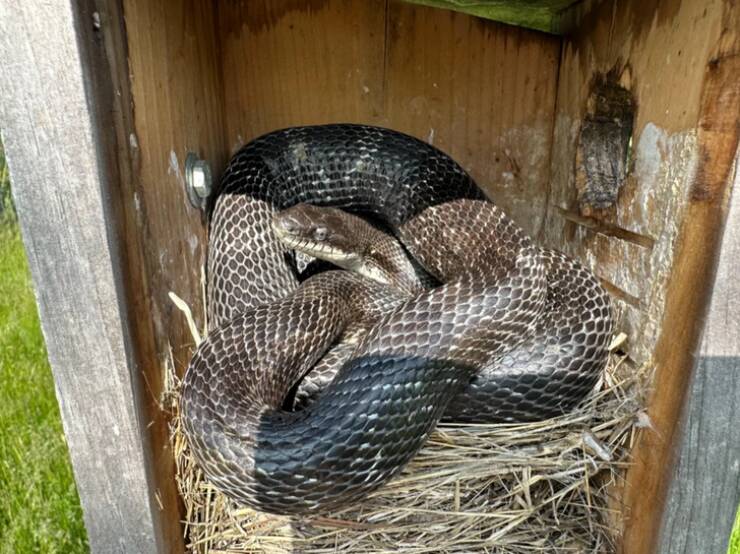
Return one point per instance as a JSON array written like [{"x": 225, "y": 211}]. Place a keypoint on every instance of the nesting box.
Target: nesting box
[{"x": 609, "y": 131}]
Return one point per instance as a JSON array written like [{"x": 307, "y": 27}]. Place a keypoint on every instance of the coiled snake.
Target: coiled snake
[{"x": 511, "y": 332}]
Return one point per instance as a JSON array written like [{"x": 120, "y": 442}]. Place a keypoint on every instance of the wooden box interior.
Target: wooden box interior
[{"x": 506, "y": 102}]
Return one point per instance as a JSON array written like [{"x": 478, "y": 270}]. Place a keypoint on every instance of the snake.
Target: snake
[{"x": 437, "y": 306}]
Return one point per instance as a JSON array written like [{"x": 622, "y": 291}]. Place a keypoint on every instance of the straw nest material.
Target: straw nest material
[{"x": 545, "y": 486}]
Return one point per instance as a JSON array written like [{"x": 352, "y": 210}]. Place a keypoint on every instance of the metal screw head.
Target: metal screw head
[{"x": 198, "y": 180}]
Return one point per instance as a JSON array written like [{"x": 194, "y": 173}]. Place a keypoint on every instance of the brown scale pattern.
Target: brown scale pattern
[
  {"x": 543, "y": 377},
  {"x": 494, "y": 304}
]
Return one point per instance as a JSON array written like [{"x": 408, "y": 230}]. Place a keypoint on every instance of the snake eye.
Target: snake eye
[{"x": 320, "y": 233}]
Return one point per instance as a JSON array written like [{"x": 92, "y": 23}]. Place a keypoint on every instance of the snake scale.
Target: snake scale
[{"x": 511, "y": 332}]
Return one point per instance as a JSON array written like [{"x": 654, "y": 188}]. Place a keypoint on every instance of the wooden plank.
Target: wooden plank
[
  {"x": 55, "y": 119},
  {"x": 678, "y": 60},
  {"x": 481, "y": 91},
  {"x": 705, "y": 485},
  {"x": 168, "y": 76},
  {"x": 401, "y": 66},
  {"x": 177, "y": 96},
  {"x": 687, "y": 296},
  {"x": 308, "y": 63},
  {"x": 658, "y": 51}
]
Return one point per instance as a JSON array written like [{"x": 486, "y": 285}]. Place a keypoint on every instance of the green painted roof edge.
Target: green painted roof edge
[{"x": 541, "y": 15}]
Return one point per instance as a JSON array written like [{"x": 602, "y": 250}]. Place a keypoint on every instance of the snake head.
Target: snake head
[{"x": 325, "y": 233}]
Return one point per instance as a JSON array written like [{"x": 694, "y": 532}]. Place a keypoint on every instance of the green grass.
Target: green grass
[
  {"x": 734, "y": 547},
  {"x": 39, "y": 507}
]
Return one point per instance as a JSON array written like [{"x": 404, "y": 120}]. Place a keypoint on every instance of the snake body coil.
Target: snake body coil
[{"x": 514, "y": 332}]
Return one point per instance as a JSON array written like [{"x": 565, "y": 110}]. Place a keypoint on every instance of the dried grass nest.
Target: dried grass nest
[{"x": 545, "y": 486}]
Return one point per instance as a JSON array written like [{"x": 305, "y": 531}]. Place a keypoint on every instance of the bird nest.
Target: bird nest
[{"x": 547, "y": 486}]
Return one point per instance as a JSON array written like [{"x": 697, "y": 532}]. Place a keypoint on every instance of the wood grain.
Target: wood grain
[
  {"x": 687, "y": 299},
  {"x": 300, "y": 63},
  {"x": 167, "y": 72},
  {"x": 482, "y": 91},
  {"x": 658, "y": 51},
  {"x": 55, "y": 119},
  {"x": 684, "y": 140},
  {"x": 704, "y": 492}
]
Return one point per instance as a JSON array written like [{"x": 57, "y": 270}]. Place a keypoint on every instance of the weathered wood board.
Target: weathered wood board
[
  {"x": 54, "y": 123},
  {"x": 660, "y": 55},
  {"x": 687, "y": 293},
  {"x": 705, "y": 484},
  {"x": 168, "y": 74},
  {"x": 655, "y": 248}
]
